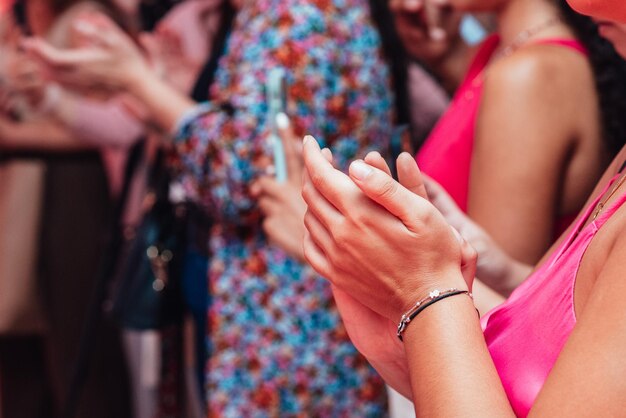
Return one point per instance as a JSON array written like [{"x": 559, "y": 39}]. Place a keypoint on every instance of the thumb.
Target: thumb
[
  {"x": 409, "y": 175},
  {"x": 384, "y": 190},
  {"x": 469, "y": 258},
  {"x": 292, "y": 146}
]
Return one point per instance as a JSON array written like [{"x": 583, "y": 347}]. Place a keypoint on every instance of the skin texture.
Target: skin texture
[
  {"x": 543, "y": 140},
  {"x": 541, "y": 136},
  {"x": 345, "y": 232}
]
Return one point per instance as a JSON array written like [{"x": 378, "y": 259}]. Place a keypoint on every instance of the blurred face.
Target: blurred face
[
  {"x": 613, "y": 10},
  {"x": 615, "y": 33}
]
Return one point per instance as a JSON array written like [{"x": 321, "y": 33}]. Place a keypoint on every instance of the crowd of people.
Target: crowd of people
[{"x": 312, "y": 208}]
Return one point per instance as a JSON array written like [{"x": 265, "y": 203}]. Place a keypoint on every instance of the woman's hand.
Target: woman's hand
[
  {"x": 165, "y": 50},
  {"x": 375, "y": 338},
  {"x": 282, "y": 203},
  {"x": 105, "y": 56},
  {"x": 373, "y": 334},
  {"x": 374, "y": 238}
]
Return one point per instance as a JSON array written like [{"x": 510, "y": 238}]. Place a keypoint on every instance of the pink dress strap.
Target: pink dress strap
[
  {"x": 526, "y": 334},
  {"x": 578, "y": 227},
  {"x": 572, "y": 44}
]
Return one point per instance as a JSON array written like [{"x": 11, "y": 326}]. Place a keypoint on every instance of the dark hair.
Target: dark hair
[
  {"x": 610, "y": 76},
  {"x": 152, "y": 11},
  {"x": 200, "y": 91},
  {"x": 396, "y": 57}
]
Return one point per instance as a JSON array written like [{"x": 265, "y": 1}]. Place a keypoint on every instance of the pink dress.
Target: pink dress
[
  {"x": 447, "y": 153},
  {"x": 526, "y": 333}
]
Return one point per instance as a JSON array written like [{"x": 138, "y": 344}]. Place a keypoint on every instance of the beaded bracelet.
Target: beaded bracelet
[{"x": 433, "y": 297}]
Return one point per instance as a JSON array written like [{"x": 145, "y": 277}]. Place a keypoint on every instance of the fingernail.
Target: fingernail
[
  {"x": 360, "y": 170},
  {"x": 282, "y": 121},
  {"x": 306, "y": 139},
  {"x": 437, "y": 34}
]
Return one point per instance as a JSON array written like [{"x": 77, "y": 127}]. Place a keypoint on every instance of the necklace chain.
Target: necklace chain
[
  {"x": 525, "y": 35},
  {"x": 604, "y": 201},
  {"x": 518, "y": 42}
]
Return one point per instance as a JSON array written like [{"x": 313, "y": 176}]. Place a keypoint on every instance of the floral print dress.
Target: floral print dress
[{"x": 277, "y": 346}]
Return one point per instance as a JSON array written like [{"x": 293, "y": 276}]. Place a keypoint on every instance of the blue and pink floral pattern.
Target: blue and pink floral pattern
[{"x": 276, "y": 342}]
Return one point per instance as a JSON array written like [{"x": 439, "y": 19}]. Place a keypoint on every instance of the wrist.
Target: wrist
[
  {"x": 436, "y": 301},
  {"x": 137, "y": 80},
  {"x": 444, "y": 281}
]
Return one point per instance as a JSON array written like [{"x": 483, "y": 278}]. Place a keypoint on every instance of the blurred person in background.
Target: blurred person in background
[
  {"x": 528, "y": 359},
  {"x": 64, "y": 131},
  {"x": 274, "y": 340},
  {"x": 508, "y": 127}
]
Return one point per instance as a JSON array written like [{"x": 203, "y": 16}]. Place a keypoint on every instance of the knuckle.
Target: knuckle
[
  {"x": 317, "y": 180},
  {"x": 306, "y": 192},
  {"x": 341, "y": 235},
  {"x": 387, "y": 188},
  {"x": 471, "y": 253}
]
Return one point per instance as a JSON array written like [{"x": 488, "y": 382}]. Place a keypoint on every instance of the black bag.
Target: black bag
[{"x": 146, "y": 287}]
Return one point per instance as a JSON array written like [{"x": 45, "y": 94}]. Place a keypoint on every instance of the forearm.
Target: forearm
[
  {"x": 164, "y": 104},
  {"x": 97, "y": 122},
  {"x": 500, "y": 272},
  {"x": 44, "y": 135},
  {"x": 452, "y": 373}
]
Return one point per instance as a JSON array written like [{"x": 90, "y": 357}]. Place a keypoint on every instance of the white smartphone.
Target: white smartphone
[{"x": 276, "y": 97}]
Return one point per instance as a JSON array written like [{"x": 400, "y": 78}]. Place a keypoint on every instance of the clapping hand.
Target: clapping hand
[
  {"x": 105, "y": 56},
  {"x": 383, "y": 246}
]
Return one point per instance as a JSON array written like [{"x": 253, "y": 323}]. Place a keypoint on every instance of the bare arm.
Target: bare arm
[
  {"x": 589, "y": 373},
  {"x": 40, "y": 135},
  {"x": 523, "y": 137},
  {"x": 366, "y": 252},
  {"x": 165, "y": 105},
  {"x": 587, "y": 377}
]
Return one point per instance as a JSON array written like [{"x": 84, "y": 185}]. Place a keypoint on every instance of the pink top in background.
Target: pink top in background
[
  {"x": 446, "y": 155},
  {"x": 526, "y": 334}
]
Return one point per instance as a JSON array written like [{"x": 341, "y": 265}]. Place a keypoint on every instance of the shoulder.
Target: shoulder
[
  {"x": 541, "y": 88},
  {"x": 539, "y": 71}
]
